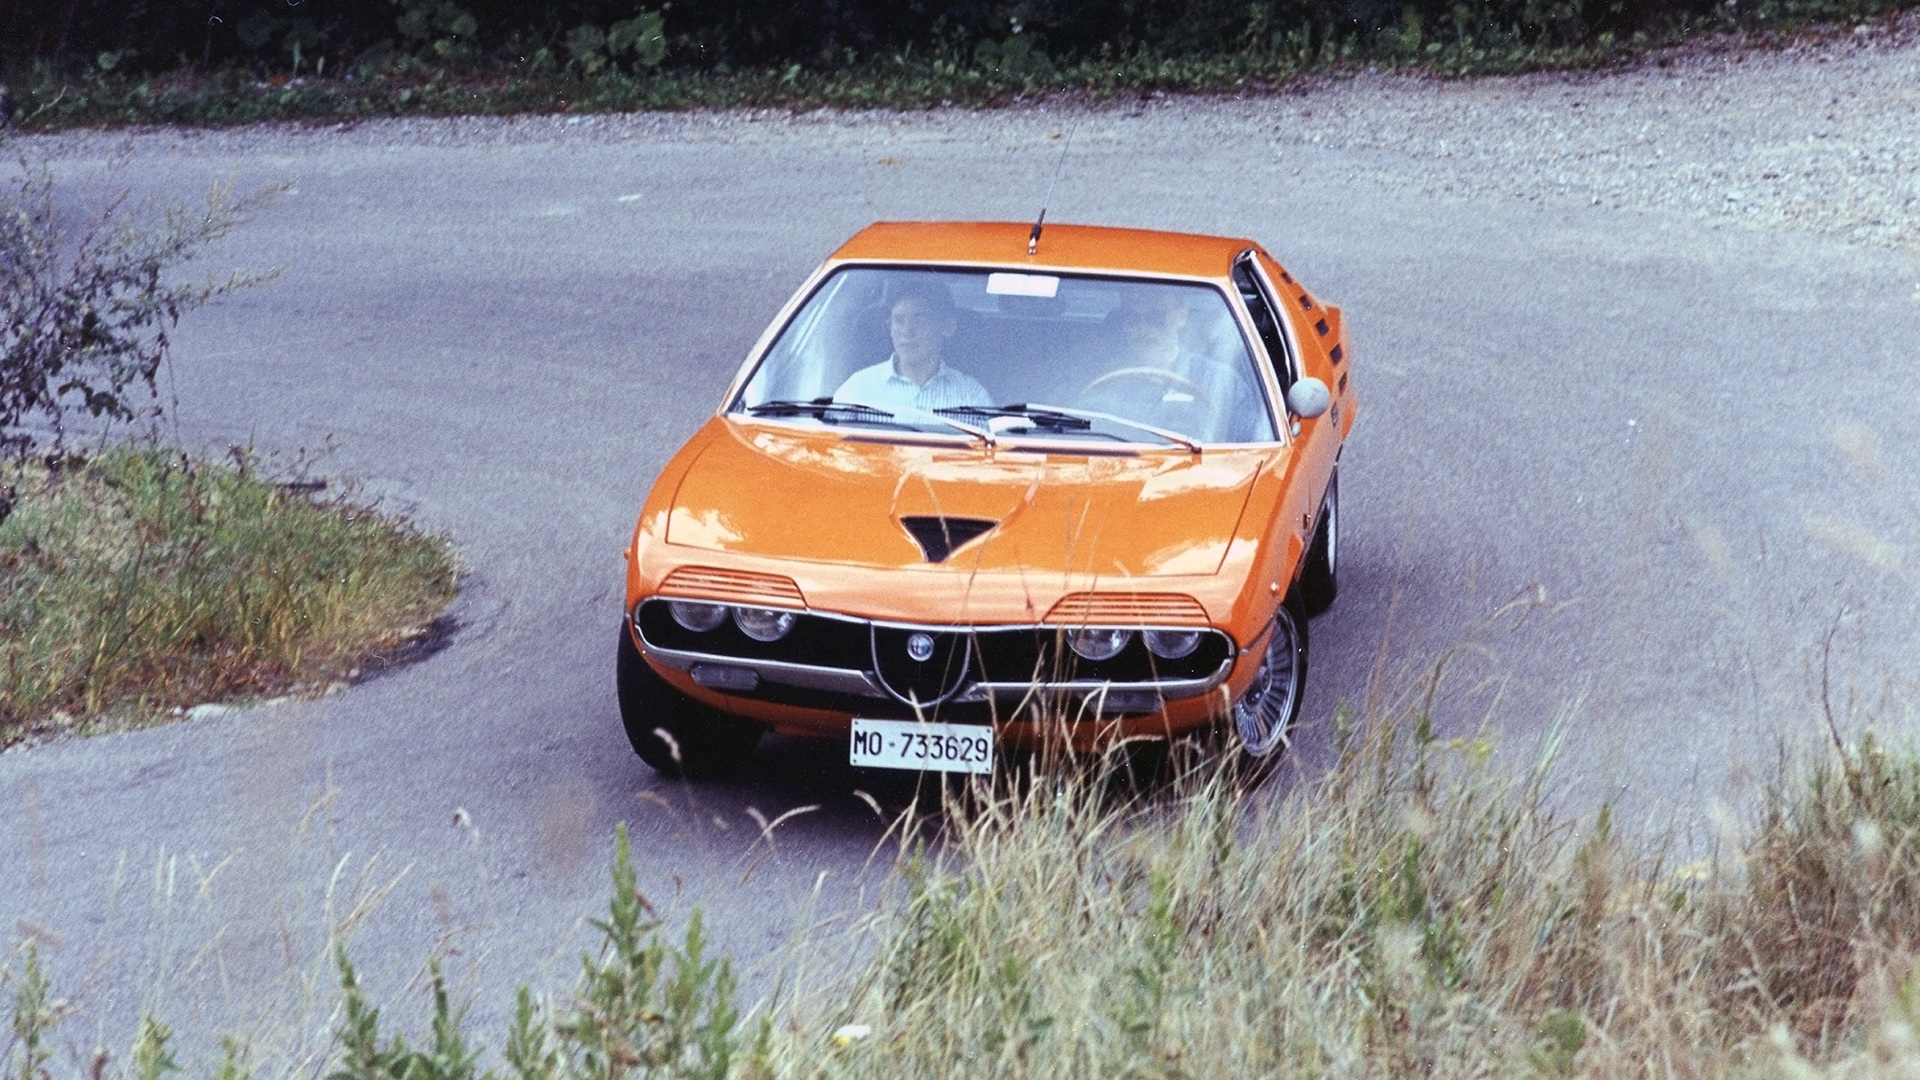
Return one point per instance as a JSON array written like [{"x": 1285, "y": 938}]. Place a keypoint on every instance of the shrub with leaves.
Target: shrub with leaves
[
  {"x": 33, "y": 1016},
  {"x": 639, "y": 43},
  {"x": 87, "y": 303},
  {"x": 445, "y": 1056},
  {"x": 645, "y": 1009}
]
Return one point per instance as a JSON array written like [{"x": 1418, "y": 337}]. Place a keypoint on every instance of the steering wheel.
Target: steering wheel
[{"x": 1161, "y": 375}]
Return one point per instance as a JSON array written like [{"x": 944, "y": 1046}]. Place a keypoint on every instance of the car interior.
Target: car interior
[{"x": 1069, "y": 348}]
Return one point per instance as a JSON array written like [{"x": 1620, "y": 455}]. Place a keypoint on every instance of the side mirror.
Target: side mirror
[{"x": 1308, "y": 398}]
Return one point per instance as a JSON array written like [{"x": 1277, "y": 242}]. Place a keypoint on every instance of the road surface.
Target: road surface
[{"x": 1640, "y": 469}]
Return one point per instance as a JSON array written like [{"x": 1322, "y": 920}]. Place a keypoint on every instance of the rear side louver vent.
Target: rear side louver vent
[{"x": 938, "y": 536}]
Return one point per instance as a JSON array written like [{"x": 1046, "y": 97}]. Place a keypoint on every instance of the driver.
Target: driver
[{"x": 920, "y": 322}]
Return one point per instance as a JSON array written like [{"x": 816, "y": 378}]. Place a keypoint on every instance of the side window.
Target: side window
[{"x": 1265, "y": 322}]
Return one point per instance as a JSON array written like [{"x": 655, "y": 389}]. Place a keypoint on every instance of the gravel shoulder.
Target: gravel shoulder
[{"x": 1819, "y": 135}]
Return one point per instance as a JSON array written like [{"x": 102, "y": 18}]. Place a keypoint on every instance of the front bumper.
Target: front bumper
[{"x": 847, "y": 665}]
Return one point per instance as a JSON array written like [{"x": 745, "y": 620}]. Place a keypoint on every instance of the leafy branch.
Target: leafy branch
[{"x": 87, "y": 303}]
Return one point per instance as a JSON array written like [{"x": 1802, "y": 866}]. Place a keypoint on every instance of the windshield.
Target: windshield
[{"x": 1085, "y": 358}]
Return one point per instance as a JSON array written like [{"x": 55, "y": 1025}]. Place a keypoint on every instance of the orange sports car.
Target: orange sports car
[{"x": 983, "y": 485}]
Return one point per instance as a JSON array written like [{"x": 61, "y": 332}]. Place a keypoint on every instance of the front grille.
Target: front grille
[
  {"x": 1041, "y": 654},
  {"x": 921, "y": 681},
  {"x": 957, "y": 660}
]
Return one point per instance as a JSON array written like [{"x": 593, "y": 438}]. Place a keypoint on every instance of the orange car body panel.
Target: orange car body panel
[
  {"x": 1064, "y": 247},
  {"x": 807, "y": 517}
]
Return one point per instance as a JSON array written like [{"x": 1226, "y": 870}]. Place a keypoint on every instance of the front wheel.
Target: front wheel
[
  {"x": 670, "y": 731},
  {"x": 1264, "y": 716},
  {"x": 1320, "y": 578}
]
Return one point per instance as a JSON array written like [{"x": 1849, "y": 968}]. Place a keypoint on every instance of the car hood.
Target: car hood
[{"x": 820, "y": 496}]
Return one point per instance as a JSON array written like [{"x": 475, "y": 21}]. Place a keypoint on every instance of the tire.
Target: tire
[
  {"x": 1261, "y": 721},
  {"x": 1139, "y": 766},
  {"x": 1319, "y": 578},
  {"x": 670, "y": 731}
]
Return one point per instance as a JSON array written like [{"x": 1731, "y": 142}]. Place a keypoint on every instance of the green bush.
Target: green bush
[
  {"x": 351, "y": 58},
  {"x": 86, "y": 303},
  {"x": 145, "y": 37},
  {"x": 645, "y": 1009}
]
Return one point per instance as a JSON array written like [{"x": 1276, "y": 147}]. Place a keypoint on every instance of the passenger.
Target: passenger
[
  {"x": 1160, "y": 379},
  {"x": 920, "y": 321},
  {"x": 1150, "y": 326}
]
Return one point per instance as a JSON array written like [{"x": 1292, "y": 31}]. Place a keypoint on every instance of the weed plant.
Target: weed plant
[
  {"x": 1414, "y": 911},
  {"x": 140, "y": 581}
]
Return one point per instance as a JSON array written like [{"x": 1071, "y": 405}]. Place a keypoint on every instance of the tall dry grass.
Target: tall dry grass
[{"x": 1416, "y": 909}]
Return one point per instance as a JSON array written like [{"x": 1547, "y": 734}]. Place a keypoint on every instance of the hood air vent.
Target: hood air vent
[{"x": 938, "y": 536}]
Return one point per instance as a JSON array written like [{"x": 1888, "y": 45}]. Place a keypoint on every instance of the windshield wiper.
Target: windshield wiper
[
  {"x": 1052, "y": 419},
  {"x": 829, "y": 411},
  {"x": 1062, "y": 418},
  {"x": 985, "y": 435},
  {"x": 825, "y": 409}
]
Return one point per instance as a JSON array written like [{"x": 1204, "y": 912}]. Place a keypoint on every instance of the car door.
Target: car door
[{"x": 1316, "y": 441}]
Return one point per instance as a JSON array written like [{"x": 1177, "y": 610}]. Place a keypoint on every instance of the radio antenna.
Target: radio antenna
[{"x": 1033, "y": 238}]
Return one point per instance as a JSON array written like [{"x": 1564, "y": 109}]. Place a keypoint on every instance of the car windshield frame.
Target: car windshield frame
[{"x": 1252, "y": 417}]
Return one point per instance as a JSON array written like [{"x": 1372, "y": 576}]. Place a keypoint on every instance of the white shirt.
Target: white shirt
[{"x": 883, "y": 387}]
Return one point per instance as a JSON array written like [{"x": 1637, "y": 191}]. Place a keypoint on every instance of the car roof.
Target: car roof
[{"x": 1065, "y": 247}]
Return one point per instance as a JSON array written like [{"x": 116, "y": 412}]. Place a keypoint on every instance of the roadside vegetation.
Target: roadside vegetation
[
  {"x": 136, "y": 580},
  {"x": 141, "y": 581},
  {"x": 1415, "y": 910},
  {"x": 107, "y": 62}
]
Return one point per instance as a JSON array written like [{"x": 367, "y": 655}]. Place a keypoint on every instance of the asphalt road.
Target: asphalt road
[{"x": 1631, "y": 471}]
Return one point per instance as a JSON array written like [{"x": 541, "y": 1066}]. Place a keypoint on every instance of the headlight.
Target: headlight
[
  {"x": 763, "y": 624},
  {"x": 699, "y": 618},
  {"x": 1172, "y": 644},
  {"x": 1098, "y": 643}
]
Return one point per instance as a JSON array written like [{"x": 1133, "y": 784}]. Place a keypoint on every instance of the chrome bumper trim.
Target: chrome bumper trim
[
  {"x": 806, "y": 676},
  {"x": 867, "y": 684},
  {"x": 1168, "y": 689}
]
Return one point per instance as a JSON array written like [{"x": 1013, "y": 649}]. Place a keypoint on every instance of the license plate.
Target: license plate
[{"x": 909, "y": 744}]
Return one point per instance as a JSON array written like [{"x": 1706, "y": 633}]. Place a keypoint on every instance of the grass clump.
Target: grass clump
[
  {"x": 1416, "y": 910},
  {"x": 1832, "y": 897},
  {"x": 141, "y": 580}
]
